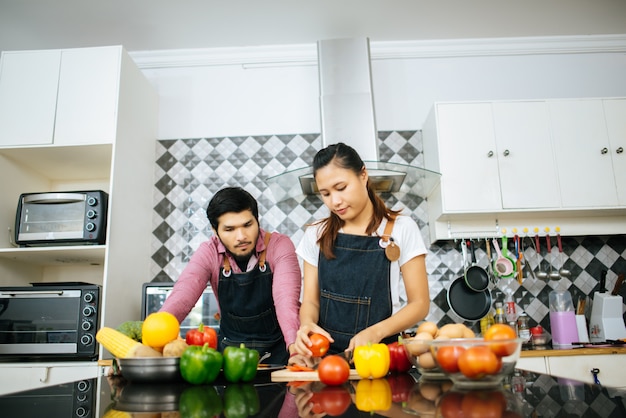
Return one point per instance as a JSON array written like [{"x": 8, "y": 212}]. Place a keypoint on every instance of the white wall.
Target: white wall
[{"x": 213, "y": 99}]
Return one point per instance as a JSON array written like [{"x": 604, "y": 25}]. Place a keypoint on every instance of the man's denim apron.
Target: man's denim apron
[
  {"x": 354, "y": 288},
  {"x": 248, "y": 314}
]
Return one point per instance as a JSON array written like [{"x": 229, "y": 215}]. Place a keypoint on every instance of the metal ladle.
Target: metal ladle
[
  {"x": 526, "y": 262},
  {"x": 541, "y": 275},
  {"x": 554, "y": 275},
  {"x": 563, "y": 272}
]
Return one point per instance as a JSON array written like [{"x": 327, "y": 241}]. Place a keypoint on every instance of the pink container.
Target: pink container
[{"x": 563, "y": 328}]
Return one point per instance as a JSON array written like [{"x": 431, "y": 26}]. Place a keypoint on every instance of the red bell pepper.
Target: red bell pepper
[
  {"x": 399, "y": 357},
  {"x": 202, "y": 335}
]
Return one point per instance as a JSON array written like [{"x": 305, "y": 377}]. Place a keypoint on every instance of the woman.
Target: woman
[{"x": 353, "y": 290}]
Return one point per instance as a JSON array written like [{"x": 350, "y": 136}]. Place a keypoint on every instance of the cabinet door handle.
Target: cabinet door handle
[
  {"x": 506, "y": 153},
  {"x": 490, "y": 154},
  {"x": 604, "y": 150},
  {"x": 619, "y": 150}
]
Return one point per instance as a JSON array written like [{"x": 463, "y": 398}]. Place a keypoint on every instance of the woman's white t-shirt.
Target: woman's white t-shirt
[{"x": 406, "y": 235}]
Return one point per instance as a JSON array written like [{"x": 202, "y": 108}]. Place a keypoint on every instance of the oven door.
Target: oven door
[{"x": 39, "y": 322}]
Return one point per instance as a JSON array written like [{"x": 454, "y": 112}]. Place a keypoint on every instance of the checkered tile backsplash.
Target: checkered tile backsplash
[{"x": 189, "y": 171}]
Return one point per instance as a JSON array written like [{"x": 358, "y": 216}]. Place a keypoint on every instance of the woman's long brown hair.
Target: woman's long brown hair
[{"x": 345, "y": 156}]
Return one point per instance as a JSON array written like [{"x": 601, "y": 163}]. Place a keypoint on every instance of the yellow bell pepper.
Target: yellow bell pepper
[
  {"x": 373, "y": 395},
  {"x": 372, "y": 360}
]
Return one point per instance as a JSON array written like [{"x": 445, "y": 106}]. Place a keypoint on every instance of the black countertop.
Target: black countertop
[{"x": 522, "y": 394}]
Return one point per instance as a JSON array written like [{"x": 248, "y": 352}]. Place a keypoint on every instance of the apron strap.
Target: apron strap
[
  {"x": 227, "y": 269},
  {"x": 263, "y": 253},
  {"x": 388, "y": 229}
]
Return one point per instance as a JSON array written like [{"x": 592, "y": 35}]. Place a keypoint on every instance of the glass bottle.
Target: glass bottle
[
  {"x": 523, "y": 328},
  {"x": 500, "y": 317},
  {"x": 487, "y": 321}
]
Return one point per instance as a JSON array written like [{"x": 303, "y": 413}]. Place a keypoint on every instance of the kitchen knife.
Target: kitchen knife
[
  {"x": 618, "y": 285},
  {"x": 602, "y": 287}
]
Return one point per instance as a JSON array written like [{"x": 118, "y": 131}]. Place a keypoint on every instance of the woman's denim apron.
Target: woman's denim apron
[
  {"x": 247, "y": 311},
  {"x": 354, "y": 288}
]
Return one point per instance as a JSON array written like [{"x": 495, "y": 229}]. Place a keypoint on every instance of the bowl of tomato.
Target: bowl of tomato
[{"x": 476, "y": 362}]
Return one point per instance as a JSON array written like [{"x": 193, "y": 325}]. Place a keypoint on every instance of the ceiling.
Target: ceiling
[{"x": 143, "y": 25}]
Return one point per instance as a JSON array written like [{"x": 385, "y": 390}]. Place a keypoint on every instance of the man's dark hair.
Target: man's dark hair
[{"x": 231, "y": 199}]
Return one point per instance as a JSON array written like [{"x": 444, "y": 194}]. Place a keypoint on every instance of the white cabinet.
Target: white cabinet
[
  {"x": 533, "y": 364},
  {"x": 459, "y": 143},
  {"x": 21, "y": 377},
  {"x": 28, "y": 96},
  {"x": 116, "y": 156},
  {"x": 611, "y": 368},
  {"x": 615, "y": 115},
  {"x": 526, "y": 164},
  {"x": 492, "y": 156},
  {"x": 581, "y": 141},
  {"x": 64, "y": 97},
  {"x": 528, "y": 176}
]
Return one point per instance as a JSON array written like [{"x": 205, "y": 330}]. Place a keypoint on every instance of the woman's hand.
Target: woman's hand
[
  {"x": 303, "y": 342},
  {"x": 367, "y": 336}
]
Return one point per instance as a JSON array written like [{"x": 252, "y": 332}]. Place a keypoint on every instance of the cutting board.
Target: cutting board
[{"x": 289, "y": 376}]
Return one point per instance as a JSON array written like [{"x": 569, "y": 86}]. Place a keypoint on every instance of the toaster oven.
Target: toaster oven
[
  {"x": 49, "y": 321},
  {"x": 61, "y": 218}
]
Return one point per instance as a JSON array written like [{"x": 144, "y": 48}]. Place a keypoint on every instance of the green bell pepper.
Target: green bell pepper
[
  {"x": 200, "y": 402},
  {"x": 200, "y": 364},
  {"x": 240, "y": 401},
  {"x": 240, "y": 363}
]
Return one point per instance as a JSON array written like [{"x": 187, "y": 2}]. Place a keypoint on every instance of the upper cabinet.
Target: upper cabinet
[
  {"x": 492, "y": 156},
  {"x": 587, "y": 135},
  {"x": 62, "y": 97},
  {"x": 525, "y": 164}
]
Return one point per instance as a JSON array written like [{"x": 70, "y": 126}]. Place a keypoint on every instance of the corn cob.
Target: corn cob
[
  {"x": 112, "y": 413},
  {"x": 122, "y": 346}
]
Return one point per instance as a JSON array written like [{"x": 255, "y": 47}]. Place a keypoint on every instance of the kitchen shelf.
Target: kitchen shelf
[
  {"x": 92, "y": 255},
  {"x": 86, "y": 162}
]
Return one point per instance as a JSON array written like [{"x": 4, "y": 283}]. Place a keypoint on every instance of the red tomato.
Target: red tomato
[
  {"x": 448, "y": 357},
  {"x": 475, "y": 362},
  {"x": 331, "y": 400},
  {"x": 333, "y": 370},
  {"x": 320, "y": 345},
  {"x": 483, "y": 404},
  {"x": 498, "y": 332}
]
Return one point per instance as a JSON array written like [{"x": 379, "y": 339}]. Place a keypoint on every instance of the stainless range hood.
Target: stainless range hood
[{"x": 347, "y": 115}]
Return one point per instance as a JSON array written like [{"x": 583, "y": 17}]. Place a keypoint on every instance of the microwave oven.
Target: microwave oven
[
  {"x": 61, "y": 218},
  {"x": 205, "y": 311},
  {"x": 56, "y": 320}
]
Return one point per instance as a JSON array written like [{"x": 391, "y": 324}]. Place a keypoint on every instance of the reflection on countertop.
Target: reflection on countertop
[{"x": 403, "y": 395}]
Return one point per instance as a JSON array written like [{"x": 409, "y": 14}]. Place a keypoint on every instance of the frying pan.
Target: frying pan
[
  {"x": 467, "y": 303},
  {"x": 476, "y": 277}
]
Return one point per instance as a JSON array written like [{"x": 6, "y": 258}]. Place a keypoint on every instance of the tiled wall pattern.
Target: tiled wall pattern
[{"x": 190, "y": 171}]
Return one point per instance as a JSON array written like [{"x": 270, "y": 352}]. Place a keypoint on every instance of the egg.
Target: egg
[
  {"x": 468, "y": 333},
  {"x": 452, "y": 330},
  {"x": 429, "y": 327},
  {"x": 414, "y": 345},
  {"x": 426, "y": 360}
]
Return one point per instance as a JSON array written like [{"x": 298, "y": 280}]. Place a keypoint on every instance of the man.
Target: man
[{"x": 255, "y": 276}]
